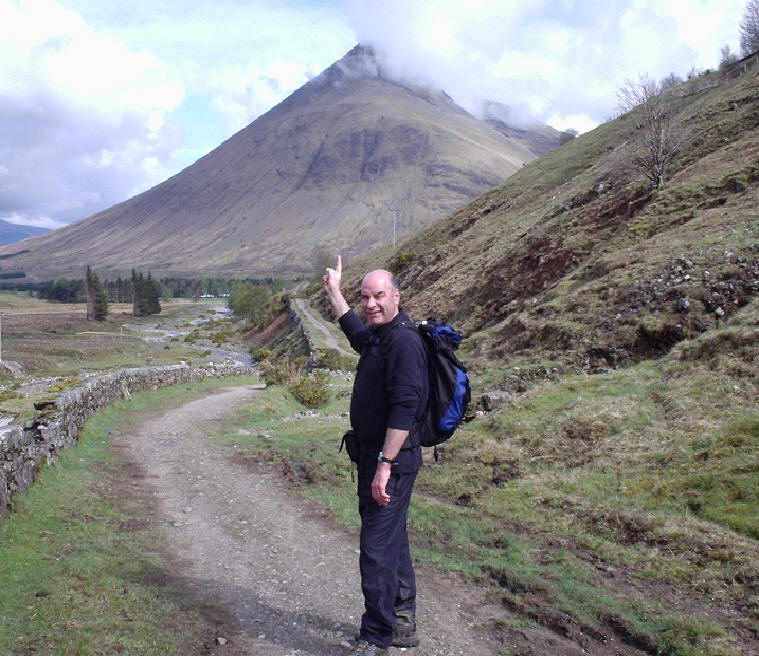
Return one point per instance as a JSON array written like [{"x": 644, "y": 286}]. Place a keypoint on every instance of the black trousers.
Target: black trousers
[{"x": 387, "y": 573}]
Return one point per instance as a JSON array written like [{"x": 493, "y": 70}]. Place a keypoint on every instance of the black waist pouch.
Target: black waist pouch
[{"x": 352, "y": 446}]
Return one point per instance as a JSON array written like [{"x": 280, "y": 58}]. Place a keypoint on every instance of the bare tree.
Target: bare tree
[
  {"x": 727, "y": 57},
  {"x": 749, "y": 28},
  {"x": 662, "y": 135},
  {"x": 670, "y": 82}
]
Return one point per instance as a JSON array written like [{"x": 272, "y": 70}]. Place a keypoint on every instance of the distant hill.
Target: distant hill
[
  {"x": 351, "y": 161},
  {"x": 540, "y": 139},
  {"x": 11, "y": 232}
]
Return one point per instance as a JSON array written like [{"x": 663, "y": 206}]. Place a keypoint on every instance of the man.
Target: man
[{"x": 389, "y": 396}]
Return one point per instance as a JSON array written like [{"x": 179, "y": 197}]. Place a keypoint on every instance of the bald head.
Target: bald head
[
  {"x": 384, "y": 277},
  {"x": 380, "y": 297}
]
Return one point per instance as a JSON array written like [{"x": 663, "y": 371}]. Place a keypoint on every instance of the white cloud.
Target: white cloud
[
  {"x": 240, "y": 95},
  {"x": 84, "y": 116},
  {"x": 563, "y": 60}
]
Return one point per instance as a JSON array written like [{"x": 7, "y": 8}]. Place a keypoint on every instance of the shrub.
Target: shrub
[
  {"x": 263, "y": 354},
  {"x": 400, "y": 262},
  {"x": 9, "y": 393},
  {"x": 281, "y": 373},
  {"x": 219, "y": 337},
  {"x": 332, "y": 359},
  {"x": 311, "y": 390}
]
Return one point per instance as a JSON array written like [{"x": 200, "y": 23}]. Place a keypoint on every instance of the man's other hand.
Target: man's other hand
[{"x": 379, "y": 484}]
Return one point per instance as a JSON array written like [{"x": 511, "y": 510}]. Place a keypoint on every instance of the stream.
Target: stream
[{"x": 159, "y": 333}]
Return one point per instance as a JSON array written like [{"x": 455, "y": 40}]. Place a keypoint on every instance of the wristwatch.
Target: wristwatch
[{"x": 381, "y": 458}]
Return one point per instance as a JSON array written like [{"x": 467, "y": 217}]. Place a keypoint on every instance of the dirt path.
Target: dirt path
[
  {"x": 280, "y": 574},
  {"x": 319, "y": 325}
]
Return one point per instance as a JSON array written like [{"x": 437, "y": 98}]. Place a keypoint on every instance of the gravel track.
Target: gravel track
[{"x": 282, "y": 576}]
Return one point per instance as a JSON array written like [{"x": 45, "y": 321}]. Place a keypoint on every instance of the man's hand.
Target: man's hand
[
  {"x": 332, "y": 277},
  {"x": 332, "y": 280},
  {"x": 394, "y": 439},
  {"x": 379, "y": 484}
]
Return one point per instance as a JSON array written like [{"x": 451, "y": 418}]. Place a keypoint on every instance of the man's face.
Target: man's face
[{"x": 378, "y": 300}]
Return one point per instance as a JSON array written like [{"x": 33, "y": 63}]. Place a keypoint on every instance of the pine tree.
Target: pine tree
[
  {"x": 146, "y": 294},
  {"x": 152, "y": 296},
  {"x": 97, "y": 298}
]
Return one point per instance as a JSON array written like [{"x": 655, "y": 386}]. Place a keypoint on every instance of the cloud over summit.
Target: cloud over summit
[{"x": 559, "y": 61}]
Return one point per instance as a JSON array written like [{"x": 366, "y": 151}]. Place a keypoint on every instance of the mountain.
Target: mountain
[
  {"x": 350, "y": 161},
  {"x": 540, "y": 139},
  {"x": 11, "y": 232}
]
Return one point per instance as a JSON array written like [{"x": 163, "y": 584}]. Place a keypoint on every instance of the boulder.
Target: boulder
[{"x": 496, "y": 399}]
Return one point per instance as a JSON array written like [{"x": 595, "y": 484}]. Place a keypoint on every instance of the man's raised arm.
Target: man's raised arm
[{"x": 332, "y": 279}]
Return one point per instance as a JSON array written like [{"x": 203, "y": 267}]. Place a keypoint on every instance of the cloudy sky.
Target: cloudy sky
[{"x": 100, "y": 100}]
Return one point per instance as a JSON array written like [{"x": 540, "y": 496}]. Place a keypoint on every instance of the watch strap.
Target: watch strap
[{"x": 382, "y": 458}]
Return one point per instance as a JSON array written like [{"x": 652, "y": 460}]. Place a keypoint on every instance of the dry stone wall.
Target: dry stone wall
[
  {"x": 298, "y": 327},
  {"x": 24, "y": 449}
]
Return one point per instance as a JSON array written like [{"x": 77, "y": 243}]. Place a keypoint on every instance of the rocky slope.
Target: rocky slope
[{"x": 574, "y": 259}]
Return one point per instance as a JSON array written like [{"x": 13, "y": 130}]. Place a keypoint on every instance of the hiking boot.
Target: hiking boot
[
  {"x": 405, "y": 637},
  {"x": 364, "y": 648},
  {"x": 405, "y": 629}
]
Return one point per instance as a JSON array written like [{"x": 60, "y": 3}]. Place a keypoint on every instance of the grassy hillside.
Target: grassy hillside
[{"x": 613, "y": 498}]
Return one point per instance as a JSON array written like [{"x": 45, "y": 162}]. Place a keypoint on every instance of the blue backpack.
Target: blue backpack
[{"x": 450, "y": 392}]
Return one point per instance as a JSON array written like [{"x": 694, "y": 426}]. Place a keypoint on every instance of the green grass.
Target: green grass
[{"x": 79, "y": 573}]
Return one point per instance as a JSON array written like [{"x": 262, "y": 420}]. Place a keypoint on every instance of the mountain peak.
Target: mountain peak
[
  {"x": 358, "y": 63},
  {"x": 350, "y": 162}
]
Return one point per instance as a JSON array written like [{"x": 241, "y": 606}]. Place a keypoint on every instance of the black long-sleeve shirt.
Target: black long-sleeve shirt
[{"x": 391, "y": 385}]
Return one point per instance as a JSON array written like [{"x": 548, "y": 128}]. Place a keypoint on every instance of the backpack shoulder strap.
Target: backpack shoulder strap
[
  {"x": 405, "y": 324},
  {"x": 401, "y": 324}
]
